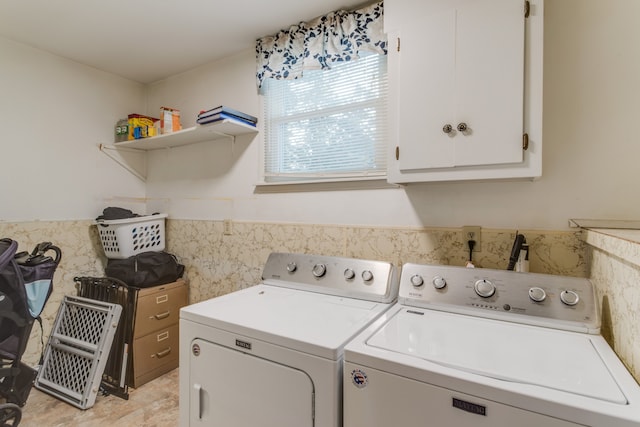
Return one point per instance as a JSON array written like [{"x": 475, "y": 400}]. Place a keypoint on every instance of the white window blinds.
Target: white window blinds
[{"x": 329, "y": 124}]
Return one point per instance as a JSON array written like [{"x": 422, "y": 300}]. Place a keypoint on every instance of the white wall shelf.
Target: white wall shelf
[
  {"x": 132, "y": 154},
  {"x": 209, "y": 132}
]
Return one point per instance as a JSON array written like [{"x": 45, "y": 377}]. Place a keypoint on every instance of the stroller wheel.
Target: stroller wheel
[{"x": 10, "y": 415}]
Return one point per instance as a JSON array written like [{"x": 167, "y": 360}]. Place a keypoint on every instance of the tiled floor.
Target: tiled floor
[{"x": 154, "y": 404}]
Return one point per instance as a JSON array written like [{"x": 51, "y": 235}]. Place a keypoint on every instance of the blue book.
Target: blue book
[
  {"x": 228, "y": 111},
  {"x": 222, "y": 116}
]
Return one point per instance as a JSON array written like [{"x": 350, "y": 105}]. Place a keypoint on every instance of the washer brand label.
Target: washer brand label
[
  {"x": 359, "y": 378},
  {"x": 243, "y": 344},
  {"x": 469, "y": 407}
]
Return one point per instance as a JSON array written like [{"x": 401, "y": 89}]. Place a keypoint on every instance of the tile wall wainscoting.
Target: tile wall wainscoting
[
  {"x": 615, "y": 272},
  {"x": 81, "y": 256},
  {"x": 217, "y": 264}
]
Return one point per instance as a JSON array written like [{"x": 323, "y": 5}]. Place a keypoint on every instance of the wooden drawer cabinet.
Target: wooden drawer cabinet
[
  {"x": 159, "y": 307},
  {"x": 155, "y": 335},
  {"x": 155, "y": 354}
]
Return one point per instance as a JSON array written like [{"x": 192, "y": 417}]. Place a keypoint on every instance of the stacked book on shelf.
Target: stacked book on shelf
[{"x": 223, "y": 113}]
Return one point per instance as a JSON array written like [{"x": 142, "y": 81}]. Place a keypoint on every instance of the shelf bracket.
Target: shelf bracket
[
  {"x": 133, "y": 160},
  {"x": 226, "y": 135}
]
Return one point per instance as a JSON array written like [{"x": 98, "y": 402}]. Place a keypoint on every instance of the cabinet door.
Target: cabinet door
[
  {"x": 426, "y": 84},
  {"x": 489, "y": 82},
  {"x": 459, "y": 62}
]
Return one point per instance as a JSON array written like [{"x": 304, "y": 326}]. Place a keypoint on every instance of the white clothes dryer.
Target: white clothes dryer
[
  {"x": 479, "y": 347},
  {"x": 271, "y": 355}
]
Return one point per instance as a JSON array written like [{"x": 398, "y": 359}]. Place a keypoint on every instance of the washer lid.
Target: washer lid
[
  {"x": 305, "y": 321},
  {"x": 533, "y": 355}
]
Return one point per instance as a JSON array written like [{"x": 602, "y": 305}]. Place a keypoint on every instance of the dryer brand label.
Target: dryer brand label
[
  {"x": 243, "y": 344},
  {"x": 359, "y": 378},
  {"x": 469, "y": 407}
]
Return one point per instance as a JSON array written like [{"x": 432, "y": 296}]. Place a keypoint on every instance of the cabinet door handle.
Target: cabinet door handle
[
  {"x": 447, "y": 128},
  {"x": 161, "y": 316},
  {"x": 198, "y": 390},
  {"x": 163, "y": 353}
]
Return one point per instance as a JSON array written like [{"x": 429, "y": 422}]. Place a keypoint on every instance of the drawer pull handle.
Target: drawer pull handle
[
  {"x": 163, "y": 353},
  {"x": 161, "y": 316}
]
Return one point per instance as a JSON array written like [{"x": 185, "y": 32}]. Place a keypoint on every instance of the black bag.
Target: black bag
[{"x": 146, "y": 269}]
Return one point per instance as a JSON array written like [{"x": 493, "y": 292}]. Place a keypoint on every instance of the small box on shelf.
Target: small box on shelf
[
  {"x": 141, "y": 126},
  {"x": 169, "y": 120}
]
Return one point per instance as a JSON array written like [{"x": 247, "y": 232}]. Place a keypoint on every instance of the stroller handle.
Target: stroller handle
[
  {"x": 48, "y": 246},
  {"x": 41, "y": 249}
]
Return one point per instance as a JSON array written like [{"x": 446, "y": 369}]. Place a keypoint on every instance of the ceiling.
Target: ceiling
[{"x": 149, "y": 40}]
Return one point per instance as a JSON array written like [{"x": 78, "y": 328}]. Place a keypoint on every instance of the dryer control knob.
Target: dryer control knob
[
  {"x": 291, "y": 267},
  {"x": 417, "y": 280},
  {"x": 537, "y": 294},
  {"x": 439, "y": 282},
  {"x": 484, "y": 288},
  {"x": 367, "y": 276},
  {"x": 319, "y": 270},
  {"x": 569, "y": 297},
  {"x": 349, "y": 274}
]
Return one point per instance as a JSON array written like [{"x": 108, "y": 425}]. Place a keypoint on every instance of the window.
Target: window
[
  {"x": 328, "y": 125},
  {"x": 325, "y": 96}
]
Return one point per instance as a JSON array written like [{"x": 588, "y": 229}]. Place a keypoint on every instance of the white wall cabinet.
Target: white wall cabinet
[{"x": 465, "y": 89}]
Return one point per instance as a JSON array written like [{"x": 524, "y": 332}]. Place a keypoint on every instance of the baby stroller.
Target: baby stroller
[{"x": 25, "y": 287}]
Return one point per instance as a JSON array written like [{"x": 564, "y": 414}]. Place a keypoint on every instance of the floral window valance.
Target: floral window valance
[{"x": 336, "y": 37}]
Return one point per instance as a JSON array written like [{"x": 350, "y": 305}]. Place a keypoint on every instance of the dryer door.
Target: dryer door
[{"x": 231, "y": 388}]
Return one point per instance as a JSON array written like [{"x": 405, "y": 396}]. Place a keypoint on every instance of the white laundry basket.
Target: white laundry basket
[{"x": 122, "y": 238}]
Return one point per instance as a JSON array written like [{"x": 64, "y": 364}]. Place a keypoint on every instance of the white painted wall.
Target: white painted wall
[
  {"x": 591, "y": 146},
  {"x": 53, "y": 114}
]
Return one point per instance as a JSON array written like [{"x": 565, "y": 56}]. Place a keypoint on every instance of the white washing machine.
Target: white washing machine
[
  {"x": 271, "y": 355},
  {"x": 478, "y": 347}
]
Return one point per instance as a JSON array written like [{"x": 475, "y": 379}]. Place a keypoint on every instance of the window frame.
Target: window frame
[{"x": 331, "y": 180}]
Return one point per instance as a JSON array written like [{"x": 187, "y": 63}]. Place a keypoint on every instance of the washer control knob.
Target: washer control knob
[
  {"x": 349, "y": 274},
  {"x": 417, "y": 280},
  {"x": 439, "y": 282},
  {"x": 367, "y": 276},
  {"x": 569, "y": 297},
  {"x": 537, "y": 294},
  {"x": 291, "y": 267},
  {"x": 484, "y": 288},
  {"x": 319, "y": 270}
]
